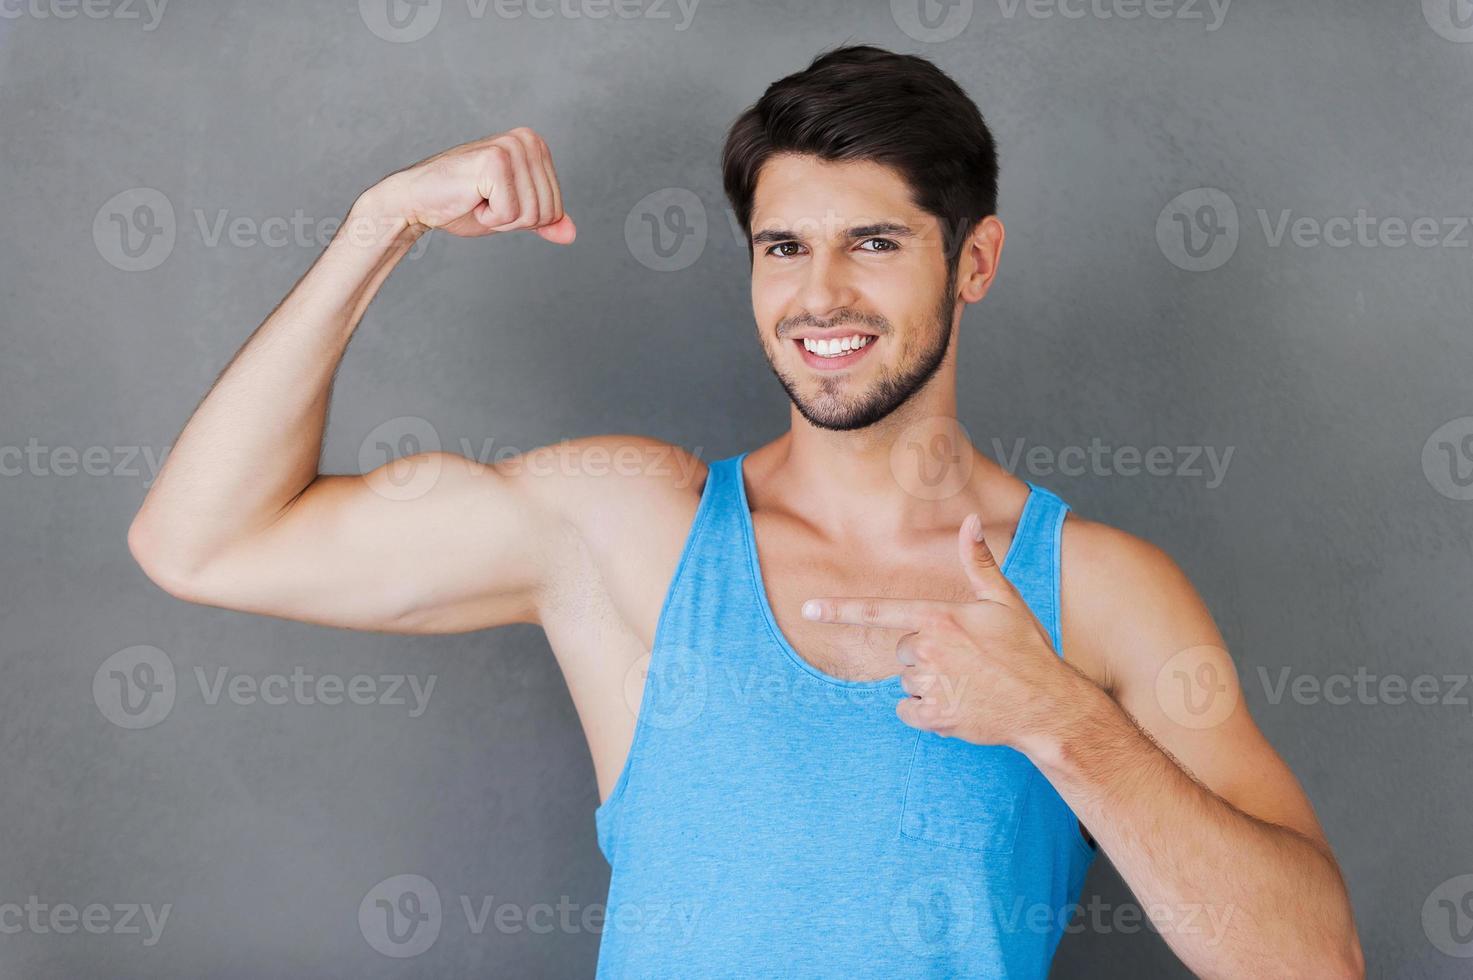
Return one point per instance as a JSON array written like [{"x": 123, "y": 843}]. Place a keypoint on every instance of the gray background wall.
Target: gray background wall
[{"x": 1337, "y": 539}]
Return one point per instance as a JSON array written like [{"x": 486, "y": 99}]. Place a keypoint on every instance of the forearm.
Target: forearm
[
  {"x": 1243, "y": 897},
  {"x": 253, "y": 443}
]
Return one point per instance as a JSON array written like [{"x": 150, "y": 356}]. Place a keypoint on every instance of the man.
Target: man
[{"x": 896, "y": 697}]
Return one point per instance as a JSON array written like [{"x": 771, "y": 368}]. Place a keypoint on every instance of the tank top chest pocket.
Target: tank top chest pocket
[{"x": 967, "y": 796}]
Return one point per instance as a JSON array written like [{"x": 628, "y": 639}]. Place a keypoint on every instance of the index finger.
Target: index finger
[{"x": 880, "y": 611}]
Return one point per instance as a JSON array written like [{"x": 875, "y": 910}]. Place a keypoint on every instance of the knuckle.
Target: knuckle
[
  {"x": 497, "y": 157},
  {"x": 507, "y": 148},
  {"x": 520, "y": 145},
  {"x": 941, "y": 621},
  {"x": 869, "y": 611}
]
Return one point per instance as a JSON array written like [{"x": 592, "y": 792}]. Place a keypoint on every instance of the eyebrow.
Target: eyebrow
[{"x": 889, "y": 229}]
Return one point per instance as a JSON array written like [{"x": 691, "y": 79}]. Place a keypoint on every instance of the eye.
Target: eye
[
  {"x": 890, "y": 244},
  {"x": 773, "y": 251}
]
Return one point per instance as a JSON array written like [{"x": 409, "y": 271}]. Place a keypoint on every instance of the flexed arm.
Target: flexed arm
[{"x": 240, "y": 517}]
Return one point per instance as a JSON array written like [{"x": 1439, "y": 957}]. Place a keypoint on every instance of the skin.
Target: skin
[{"x": 1191, "y": 816}]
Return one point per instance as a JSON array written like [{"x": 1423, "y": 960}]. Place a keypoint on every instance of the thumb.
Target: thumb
[
  {"x": 560, "y": 232},
  {"x": 981, "y": 566}
]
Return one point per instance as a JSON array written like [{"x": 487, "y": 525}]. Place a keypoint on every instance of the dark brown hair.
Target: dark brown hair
[{"x": 861, "y": 102}]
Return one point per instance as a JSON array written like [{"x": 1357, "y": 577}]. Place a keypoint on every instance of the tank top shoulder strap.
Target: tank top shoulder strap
[
  {"x": 723, "y": 502},
  {"x": 716, "y": 530},
  {"x": 1033, "y": 561},
  {"x": 703, "y": 579}
]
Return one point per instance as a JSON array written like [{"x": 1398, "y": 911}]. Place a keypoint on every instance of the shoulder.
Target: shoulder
[
  {"x": 604, "y": 475},
  {"x": 617, "y": 500},
  {"x": 1127, "y": 606}
]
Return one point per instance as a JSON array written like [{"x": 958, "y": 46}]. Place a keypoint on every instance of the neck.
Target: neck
[{"x": 915, "y": 472}]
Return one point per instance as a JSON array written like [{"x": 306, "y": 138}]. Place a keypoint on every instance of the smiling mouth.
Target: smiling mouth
[{"x": 839, "y": 352}]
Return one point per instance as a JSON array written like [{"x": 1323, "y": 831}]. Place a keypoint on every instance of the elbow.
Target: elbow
[
  {"x": 1349, "y": 959},
  {"x": 1351, "y": 964},
  {"x": 1342, "y": 958},
  {"x": 171, "y": 575}
]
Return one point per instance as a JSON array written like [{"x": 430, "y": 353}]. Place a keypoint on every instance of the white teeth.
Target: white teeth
[{"x": 837, "y": 346}]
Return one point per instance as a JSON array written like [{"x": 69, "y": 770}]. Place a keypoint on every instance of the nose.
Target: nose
[{"x": 828, "y": 285}]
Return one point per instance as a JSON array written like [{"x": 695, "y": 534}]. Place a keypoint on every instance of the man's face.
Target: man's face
[{"x": 839, "y": 250}]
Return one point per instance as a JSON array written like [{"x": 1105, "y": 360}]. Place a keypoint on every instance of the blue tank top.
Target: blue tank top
[{"x": 772, "y": 820}]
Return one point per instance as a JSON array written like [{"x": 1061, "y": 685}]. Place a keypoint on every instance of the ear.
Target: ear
[{"x": 977, "y": 264}]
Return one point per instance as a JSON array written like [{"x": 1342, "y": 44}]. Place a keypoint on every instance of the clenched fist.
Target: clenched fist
[{"x": 500, "y": 183}]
